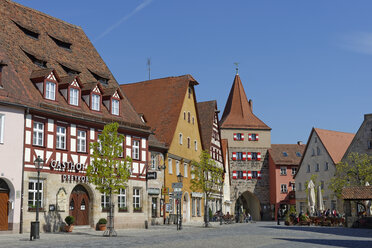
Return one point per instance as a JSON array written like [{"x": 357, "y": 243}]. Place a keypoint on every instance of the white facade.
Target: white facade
[{"x": 11, "y": 160}]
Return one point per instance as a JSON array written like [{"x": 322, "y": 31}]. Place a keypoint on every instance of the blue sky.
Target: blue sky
[{"x": 303, "y": 63}]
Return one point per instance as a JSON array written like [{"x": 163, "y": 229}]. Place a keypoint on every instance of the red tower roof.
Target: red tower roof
[{"x": 238, "y": 111}]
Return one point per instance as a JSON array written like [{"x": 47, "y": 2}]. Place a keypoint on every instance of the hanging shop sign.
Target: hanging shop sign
[
  {"x": 151, "y": 175},
  {"x": 153, "y": 191}
]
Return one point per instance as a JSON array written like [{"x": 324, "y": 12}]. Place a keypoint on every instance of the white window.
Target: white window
[
  {"x": 135, "y": 154},
  {"x": 185, "y": 166},
  {"x": 294, "y": 170},
  {"x": 2, "y": 122},
  {"x": 96, "y": 102},
  {"x": 136, "y": 199},
  {"x": 105, "y": 201},
  {"x": 122, "y": 200},
  {"x": 32, "y": 193},
  {"x": 283, "y": 171},
  {"x": 38, "y": 138},
  {"x": 115, "y": 107},
  {"x": 293, "y": 186},
  {"x": 61, "y": 138},
  {"x": 180, "y": 138},
  {"x": 74, "y": 96},
  {"x": 196, "y": 145},
  {"x": 170, "y": 166},
  {"x": 153, "y": 161},
  {"x": 81, "y": 141},
  {"x": 177, "y": 167},
  {"x": 283, "y": 188},
  {"x": 50, "y": 91}
]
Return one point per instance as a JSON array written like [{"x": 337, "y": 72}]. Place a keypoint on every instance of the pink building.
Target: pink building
[{"x": 283, "y": 164}]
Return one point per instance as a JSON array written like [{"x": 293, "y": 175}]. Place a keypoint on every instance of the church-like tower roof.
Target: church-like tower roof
[{"x": 238, "y": 110}]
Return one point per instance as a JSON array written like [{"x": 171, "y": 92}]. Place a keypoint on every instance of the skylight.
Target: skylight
[
  {"x": 298, "y": 154},
  {"x": 62, "y": 44},
  {"x": 285, "y": 154},
  {"x": 36, "y": 61},
  {"x": 27, "y": 31}
]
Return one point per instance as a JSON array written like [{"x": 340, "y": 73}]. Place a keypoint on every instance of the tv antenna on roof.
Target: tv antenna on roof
[
  {"x": 237, "y": 67},
  {"x": 149, "y": 67}
]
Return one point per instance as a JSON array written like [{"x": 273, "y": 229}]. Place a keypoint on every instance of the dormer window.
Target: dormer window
[
  {"x": 50, "y": 90},
  {"x": 99, "y": 78},
  {"x": 63, "y": 44},
  {"x": 115, "y": 107},
  {"x": 96, "y": 102},
  {"x": 37, "y": 61},
  {"x": 74, "y": 96}
]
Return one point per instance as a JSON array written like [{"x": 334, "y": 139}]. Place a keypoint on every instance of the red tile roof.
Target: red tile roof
[
  {"x": 276, "y": 153},
  {"x": 357, "y": 193},
  {"x": 160, "y": 101},
  {"x": 336, "y": 143},
  {"x": 238, "y": 111},
  {"x": 206, "y": 111},
  {"x": 15, "y": 50}
]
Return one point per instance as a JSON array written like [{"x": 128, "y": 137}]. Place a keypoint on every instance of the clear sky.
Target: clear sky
[{"x": 303, "y": 63}]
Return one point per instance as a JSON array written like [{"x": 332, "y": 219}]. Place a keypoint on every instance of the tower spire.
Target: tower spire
[{"x": 237, "y": 68}]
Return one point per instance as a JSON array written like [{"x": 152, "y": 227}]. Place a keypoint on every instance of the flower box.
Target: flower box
[{"x": 137, "y": 210}]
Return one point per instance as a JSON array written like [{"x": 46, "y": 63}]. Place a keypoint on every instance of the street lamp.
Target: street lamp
[
  {"x": 179, "y": 215},
  {"x": 35, "y": 226}
]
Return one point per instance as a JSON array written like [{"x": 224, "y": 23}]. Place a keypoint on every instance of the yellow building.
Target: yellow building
[{"x": 168, "y": 105}]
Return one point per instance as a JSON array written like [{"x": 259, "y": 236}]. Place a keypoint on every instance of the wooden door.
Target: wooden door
[
  {"x": 79, "y": 207},
  {"x": 4, "y": 211}
]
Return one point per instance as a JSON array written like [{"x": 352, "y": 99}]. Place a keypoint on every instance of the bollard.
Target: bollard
[{"x": 146, "y": 224}]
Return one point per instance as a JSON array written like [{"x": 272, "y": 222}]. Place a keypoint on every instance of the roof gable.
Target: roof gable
[
  {"x": 207, "y": 112},
  {"x": 238, "y": 111},
  {"x": 161, "y": 101},
  {"x": 49, "y": 51}
]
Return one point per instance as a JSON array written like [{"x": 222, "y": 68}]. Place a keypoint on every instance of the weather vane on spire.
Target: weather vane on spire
[{"x": 237, "y": 67}]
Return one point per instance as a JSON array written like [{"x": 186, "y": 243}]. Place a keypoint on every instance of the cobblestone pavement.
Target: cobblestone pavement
[{"x": 260, "y": 234}]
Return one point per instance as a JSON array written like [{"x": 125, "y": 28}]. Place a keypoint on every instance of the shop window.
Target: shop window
[
  {"x": 32, "y": 193},
  {"x": 136, "y": 200},
  {"x": 154, "y": 207},
  {"x": 122, "y": 200}
]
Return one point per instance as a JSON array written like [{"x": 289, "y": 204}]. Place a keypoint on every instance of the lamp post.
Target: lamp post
[
  {"x": 161, "y": 167},
  {"x": 35, "y": 226},
  {"x": 179, "y": 216},
  {"x": 221, "y": 204}
]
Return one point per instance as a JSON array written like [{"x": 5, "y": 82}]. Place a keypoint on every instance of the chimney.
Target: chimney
[
  {"x": 251, "y": 104},
  {"x": 299, "y": 142}
]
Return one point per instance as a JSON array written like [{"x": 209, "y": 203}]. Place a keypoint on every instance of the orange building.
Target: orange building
[{"x": 284, "y": 160}]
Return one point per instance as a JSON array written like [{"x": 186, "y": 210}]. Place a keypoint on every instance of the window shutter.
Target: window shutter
[
  {"x": 249, "y": 174},
  {"x": 234, "y": 156},
  {"x": 244, "y": 174},
  {"x": 235, "y": 136},
  {"x": 244, "y": 156},
  {"x": 258, "y": 156},
  {"x": 242, "y": 135},
  {"x": 249, "y": 136},
  {"x": 249, "y": 156},
  {"x": 257, "y": 136},
  {"x": 258, "y": 174},
  {"x": 234, "y": 175}
]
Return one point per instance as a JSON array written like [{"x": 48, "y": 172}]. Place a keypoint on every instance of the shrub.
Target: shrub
[
  {"x": 304, "y": 218},
  {"x": 102, "y": 221},
  {"x": 70, "y": 220},
  {"x": 210, "y": 214}
]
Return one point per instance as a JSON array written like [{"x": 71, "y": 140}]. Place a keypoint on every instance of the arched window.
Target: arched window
[{"x": 188, "y": 117}]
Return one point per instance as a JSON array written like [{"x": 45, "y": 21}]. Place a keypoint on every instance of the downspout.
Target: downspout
[{"x": 23, "y": 169}]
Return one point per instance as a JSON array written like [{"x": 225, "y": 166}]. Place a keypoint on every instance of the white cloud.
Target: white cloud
[
  {"x": 360, "y": 42},
  {"x": 125, "y": 18}
]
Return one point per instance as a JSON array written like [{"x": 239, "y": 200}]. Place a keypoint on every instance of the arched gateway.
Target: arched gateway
[
  {"x": 79, "y": 205},
  {"x": 249, "y": 203}
]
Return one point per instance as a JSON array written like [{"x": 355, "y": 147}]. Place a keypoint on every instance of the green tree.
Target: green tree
[
  {"x": 207, "y": 178},
  {"x": 108, "y": 172},
  {"x": 355, "y": 170}
]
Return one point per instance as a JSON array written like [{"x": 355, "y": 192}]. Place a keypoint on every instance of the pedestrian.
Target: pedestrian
[{"x": 278, "y": 217}]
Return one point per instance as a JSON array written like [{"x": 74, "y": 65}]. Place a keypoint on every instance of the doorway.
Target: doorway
[
  {"x": 79, "y": 205},
  {"x": 4, "y": 210}
]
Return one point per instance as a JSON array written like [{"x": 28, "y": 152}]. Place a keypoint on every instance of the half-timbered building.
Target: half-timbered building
[
  {"x": 211, "y": 138},
  {"x": 69, "y": 95}
]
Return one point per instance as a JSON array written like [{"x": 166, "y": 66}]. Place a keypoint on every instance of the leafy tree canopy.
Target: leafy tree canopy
[
  {"x": 108, "y": 171},
  {"x": 356, "y": 170}
]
